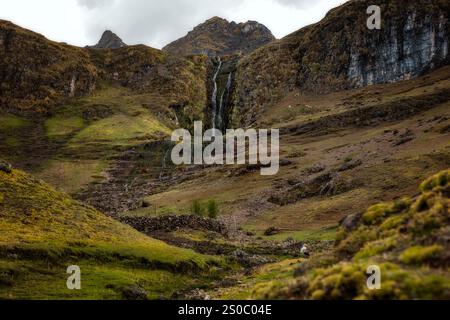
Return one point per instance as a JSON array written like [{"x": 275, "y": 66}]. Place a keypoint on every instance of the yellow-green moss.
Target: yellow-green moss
[
  {"x": 436, "y": 182},
  {"x": 121, "y": 129},
  {"x": 416, "y": 255},
  {"x": 375, "y": 248},
  {"x": 390, "y": 236},
  {"x": 63, "y": 126},
  {"x": 377, "y": 213}
]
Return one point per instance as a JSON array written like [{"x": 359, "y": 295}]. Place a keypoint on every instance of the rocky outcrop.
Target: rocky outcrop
[
  {"x": 372, "y": 115},
  {"x": 172, "y": 223},
  {"x": 109, "y": 40},
  {"x": 407, "y": 46},
  {"x": 340, "y": 52},
  {"x": 217, "y": 37}
]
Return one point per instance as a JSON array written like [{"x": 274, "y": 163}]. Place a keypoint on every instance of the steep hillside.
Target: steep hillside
[
  {"x": 218, "y": 37},
  {"x": 177, "y": 84},
  {"x": 407, "y": 239},
  {"x": 42, "y": 232},
  {"x": 340, "y": 52},
  {"x": 38, "y": 75}
]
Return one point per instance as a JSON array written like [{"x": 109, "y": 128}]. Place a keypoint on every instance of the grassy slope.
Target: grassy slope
[
  {"x": 406, "y": 238},
  {"x": 42, "y": 232},
  {"x": 77, "y": 148}
]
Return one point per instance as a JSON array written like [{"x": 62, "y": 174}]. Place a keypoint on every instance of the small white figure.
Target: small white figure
[{"x": 304, "y": 251}]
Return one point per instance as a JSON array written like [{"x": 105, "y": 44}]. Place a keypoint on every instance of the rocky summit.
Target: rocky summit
[
  {"x": 109, "y": 40},
  {"x": 217, "y": 37}
]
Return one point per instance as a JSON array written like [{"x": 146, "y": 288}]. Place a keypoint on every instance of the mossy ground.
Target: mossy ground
[
  {"x": 261, "y": 279},
  {"x": 74, "y": 146},
  {"x": 44, "y": 231},
  {"x": 406, "y": 239},
  {"x": 71, "y": 176}
]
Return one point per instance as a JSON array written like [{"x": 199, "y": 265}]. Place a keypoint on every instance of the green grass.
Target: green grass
[
  {"x": 72, "y": 175},
  {"x": 10, "y": 122},
  {"x": 39, "y": 280},
  {"x": 61, "y": 126},
  {"x": 304, "y": 235},
  {"x": 120, "y": 129},
  {"x": 411, "y": 253},
  {"x": 45, "y": 230},
  {"x": 264, "y": 278}
]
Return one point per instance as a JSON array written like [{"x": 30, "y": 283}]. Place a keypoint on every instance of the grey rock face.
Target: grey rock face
[
  {"x": 109, "y": 40},
  {"x": 407, "y": 51}
]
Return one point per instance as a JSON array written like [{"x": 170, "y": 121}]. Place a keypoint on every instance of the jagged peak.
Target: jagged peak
[
  {"x": 218, "y": 36},
  {"x": 109, "y": 40}
]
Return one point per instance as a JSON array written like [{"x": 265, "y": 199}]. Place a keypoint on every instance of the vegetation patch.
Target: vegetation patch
[
  {"x": 406, "y": 239},
  {"x": 45, "y": 231},
  {"x": 61, "y": 126}
]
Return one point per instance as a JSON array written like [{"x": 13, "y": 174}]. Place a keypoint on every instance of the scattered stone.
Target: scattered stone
[
  {"x": 285, "y": 162},
  {"x": 170, "y": 223},
  {"x": 5, "y": 167},
  {"x": 350, "y": 165},
  {"x": 134, "y": 293},
  {"x": 351, "y": 222},
  {"x": 250, "y": 261},
  {"x": 272, "y": 231},
  {"x": 445, "y": 129},
  {"x": 197, "y": 294},
  {"x": 403, "y": 141},
  {"x": 314, "y": 169}
]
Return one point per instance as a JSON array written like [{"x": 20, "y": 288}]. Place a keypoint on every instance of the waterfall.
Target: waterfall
[
  {"x": 227, "y": 92},
  {"x": 214, "y": 95}
]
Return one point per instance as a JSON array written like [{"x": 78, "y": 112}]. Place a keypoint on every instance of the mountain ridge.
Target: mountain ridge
[{"x": 217, "y": 36}]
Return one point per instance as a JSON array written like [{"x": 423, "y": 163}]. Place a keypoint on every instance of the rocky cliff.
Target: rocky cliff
[
  {"x": 340, "y": 52},
  {"x": 109, "y": 40},
  {"x": 217, "y": 37}
]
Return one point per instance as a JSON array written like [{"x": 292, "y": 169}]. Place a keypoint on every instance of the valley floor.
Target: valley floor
[{"x": 341, "y": 153}]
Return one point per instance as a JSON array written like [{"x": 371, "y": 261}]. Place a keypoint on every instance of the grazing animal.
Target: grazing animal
[{"x": 305, "y": 251}]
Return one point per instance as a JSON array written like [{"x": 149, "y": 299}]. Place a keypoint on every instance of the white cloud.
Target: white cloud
[
  {"x": 91, "y": 4},
  {"x": 154, "y": 22}
]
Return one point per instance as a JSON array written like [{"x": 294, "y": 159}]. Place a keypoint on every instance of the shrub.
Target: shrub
[
  {"x": 197, "y": 208},
  {"x": 213, "y": 209}
]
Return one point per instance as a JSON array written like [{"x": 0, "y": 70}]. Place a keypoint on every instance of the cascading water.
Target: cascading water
[
  {"x": 214, "y": 95},
  {"x": 225, "y": 94}
]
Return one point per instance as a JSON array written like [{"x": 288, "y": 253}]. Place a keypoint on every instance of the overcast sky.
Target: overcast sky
[{"x": 154, "y": 22}]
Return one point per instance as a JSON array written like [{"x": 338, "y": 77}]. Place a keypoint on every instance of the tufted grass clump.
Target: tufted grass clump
[{"x": 419, "y": 254}]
